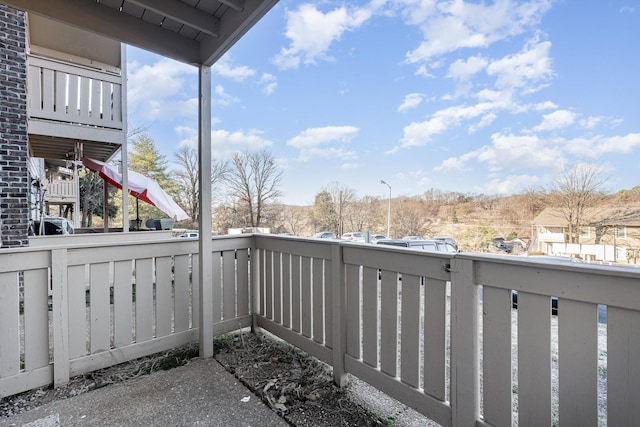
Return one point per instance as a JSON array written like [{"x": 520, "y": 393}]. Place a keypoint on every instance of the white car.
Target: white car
[{"x": 354, "y": 236}]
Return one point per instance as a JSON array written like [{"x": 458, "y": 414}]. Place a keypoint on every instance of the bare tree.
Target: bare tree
[
  {"x": 575, "y": 192},
  {"x": 342, "y": 198},
  {"x": 254, "y": 181},
  {"x": 187, "y": 179}
]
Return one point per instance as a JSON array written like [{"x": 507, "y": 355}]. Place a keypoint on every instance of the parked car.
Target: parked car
[
  {"x": 325, "y": 235},
  {"x": 424, "y": 245},
  {"x": 413, "y": 238},
  {"x": 449, "y": 240},
  {"x": 354, "y": 236},
  {"x": 52, "y": 226},
  {"x": 375, "y": 237}
]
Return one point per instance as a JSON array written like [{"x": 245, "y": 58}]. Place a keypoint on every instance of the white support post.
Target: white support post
[
  {"x": 60, "y": 317},
  {"x": 465, "y": 365},
  {"x": 339, "y": 315},
  {"x": 124, "y": 147},
  {"x": 205, "y": 244}
]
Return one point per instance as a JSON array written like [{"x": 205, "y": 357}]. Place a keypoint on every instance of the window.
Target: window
[
  {"x": 585, "y": 232},
  {"x": 621, "y": 232}
]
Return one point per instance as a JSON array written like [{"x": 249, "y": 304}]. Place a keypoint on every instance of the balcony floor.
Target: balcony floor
[{"x": 201, "y": 392}]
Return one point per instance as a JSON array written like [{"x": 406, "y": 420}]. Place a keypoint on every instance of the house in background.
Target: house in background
[
  {"x": 609, "y": 234},
  {"x": 70, "y": 86}
]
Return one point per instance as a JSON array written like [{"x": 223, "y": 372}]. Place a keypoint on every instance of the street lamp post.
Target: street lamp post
[{"x": 382, "y": 181}]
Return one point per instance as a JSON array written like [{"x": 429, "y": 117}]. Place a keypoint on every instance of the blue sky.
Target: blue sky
[{"x": 491, "y": 97}]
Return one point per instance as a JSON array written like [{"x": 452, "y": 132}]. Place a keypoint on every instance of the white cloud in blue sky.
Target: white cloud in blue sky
[{"x": 467, "y": 96}]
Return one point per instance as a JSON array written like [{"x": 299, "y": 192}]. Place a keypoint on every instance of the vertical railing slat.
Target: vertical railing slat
[
  {"x": 353, "y": 310},
  {"x": 192, "y": 286},
  {"x": 496, "y": 351},
  {"x": 48, "y": 91},
  {"x": 144, "y": 299},
  {"x": 370, "y": 316},
  {"x": 296, "y": 294},
  {"x": 277, "y": 287},
  {"x": 85, "y": 88},
  {"x": 435, "y": 300},
  {"x": 229, "y": 285},
  {"x": 410, "y": 332},
  {"x": 164, "y": 283},
  {"x": 268, "y": 282},
  {"x": 534, "y": 360},
  {"x": 243, "y": 282},
  {"x": 35, "y": 89},
  {"x": 328, "y": 303},
  {"x": 36, "y": 319},
  {"x": 60, "y": 93},
  {"x": 306, "y": 297},
  {"x": 10, "y": 321},
  {"x": 578, "y": 367},
  {"x": 100, "y": 312},
  {"x": 318, "y": 300},
  {"x": 181, "y": 298},
  {"x": 389, "y": 323},
  {"x": 286, "y": 290},
  {"x": 123, "y": 303},
  {"x": 78, "y": 327},
  {"x": 623, "y": 368},
  {"x": 74, "y": 108}
]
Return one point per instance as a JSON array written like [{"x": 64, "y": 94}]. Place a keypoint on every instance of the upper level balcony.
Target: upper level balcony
[{"x": 76, "y": 97}]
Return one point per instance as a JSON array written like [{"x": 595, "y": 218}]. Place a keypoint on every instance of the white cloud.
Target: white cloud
[
  {"x": 463, "y": 70},
  {"x": 268, "y": 83},
  {"x": 311, "y": 33},
  {"x": 557, "y": 120},
  {"x": 510, "y": 184},
  {"x": 519, "y": 151},
  {"x": 222, "y": 98},
  {"x": 321, "y": 142},
  {"x": 411, "y": 101},
  {"x": 223, "y": 142},
  {"x": 226, "y": 68},
  {"x": 530, "y": 66},
  {"x": 598, "y": 146},
  {"x": 418, "y": 134},
  {"x": 154, "y": 91},
  {"x": 451, "y": 25}
]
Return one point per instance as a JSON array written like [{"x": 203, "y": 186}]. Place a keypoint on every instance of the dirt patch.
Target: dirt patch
[{"x": 295, "y": 385}]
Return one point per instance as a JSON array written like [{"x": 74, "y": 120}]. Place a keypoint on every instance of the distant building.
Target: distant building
[{"x": 609, "y": 234}]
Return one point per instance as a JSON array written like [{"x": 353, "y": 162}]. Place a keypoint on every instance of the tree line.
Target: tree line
[{"x": 246, "y": 192}]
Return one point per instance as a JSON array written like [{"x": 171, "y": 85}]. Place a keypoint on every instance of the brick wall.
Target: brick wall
[{"x": 14, "y": 185}]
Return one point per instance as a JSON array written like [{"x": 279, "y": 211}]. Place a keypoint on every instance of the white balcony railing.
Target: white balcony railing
[
  {"x": 62, "y": 190},
  {"x": 435, "y": 331},
  {"x": 74, "y": 94}
]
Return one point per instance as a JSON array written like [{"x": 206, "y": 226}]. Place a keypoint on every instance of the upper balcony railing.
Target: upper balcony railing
[{"x": 74, "y": 94}]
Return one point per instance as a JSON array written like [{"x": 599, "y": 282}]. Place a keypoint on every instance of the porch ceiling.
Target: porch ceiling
[{"x": 190, "y": 31}]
